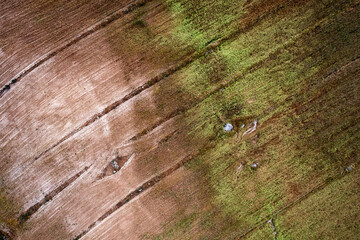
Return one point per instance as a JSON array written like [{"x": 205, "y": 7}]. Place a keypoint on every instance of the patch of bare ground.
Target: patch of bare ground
[
  {"x": 48, "y": 33},
  {"x": 178, "y": 194},
  {"x": 136, "y": 192},
  {"x": 146, "y": 169},
  {"x": 6, "y": 233},
  {"x": 100, "y": 77},
  {"x": 26, "y": 215}
]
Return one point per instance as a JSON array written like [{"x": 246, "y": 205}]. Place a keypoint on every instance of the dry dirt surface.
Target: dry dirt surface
[{"x": 112, "y": 115}]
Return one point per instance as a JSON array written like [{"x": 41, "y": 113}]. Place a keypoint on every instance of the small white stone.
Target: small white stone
[{"x": 228, "y": 127}]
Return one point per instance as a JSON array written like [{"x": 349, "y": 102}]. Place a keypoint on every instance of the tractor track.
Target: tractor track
[
  {"x": 148, "y": 184},
  {"x": 33, "y": 209}
]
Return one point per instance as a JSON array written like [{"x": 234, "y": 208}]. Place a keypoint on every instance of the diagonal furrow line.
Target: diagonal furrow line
[
  {"x": 33, "y": 209},
  {"x": 101, "y": 24},
  {"x": 173, "y": 114},
  {"x": 193, "y": 57},
  {"x": 140, "y": 189}
]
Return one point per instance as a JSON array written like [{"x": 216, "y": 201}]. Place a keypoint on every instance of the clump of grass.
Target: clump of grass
[{"x": 8, "y": 210}]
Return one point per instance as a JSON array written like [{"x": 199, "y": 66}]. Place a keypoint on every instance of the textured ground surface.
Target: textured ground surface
[{"x": 112, "y": 114}]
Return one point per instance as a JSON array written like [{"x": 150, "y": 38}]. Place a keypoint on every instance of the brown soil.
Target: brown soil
[{"x": 94, "y": 142}]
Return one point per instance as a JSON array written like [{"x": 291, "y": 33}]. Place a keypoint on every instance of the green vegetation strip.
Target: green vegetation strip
[
  {"x": 327, "y": 214},
  {"x": 307, "y": 131}
]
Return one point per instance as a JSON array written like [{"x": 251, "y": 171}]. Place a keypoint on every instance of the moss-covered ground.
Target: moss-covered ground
[{"x": 294, "y": 67}]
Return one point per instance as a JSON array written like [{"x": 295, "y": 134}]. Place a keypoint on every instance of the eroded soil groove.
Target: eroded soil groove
[
  {"x": 33, "y": 209},
  {"x": 188, "y": 60},
  {"x": 138, "y": 191},
  {"x": 101, "y": 24}
]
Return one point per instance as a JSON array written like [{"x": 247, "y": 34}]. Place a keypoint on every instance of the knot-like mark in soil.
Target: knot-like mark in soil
[{"x": 114, "y": 166}]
